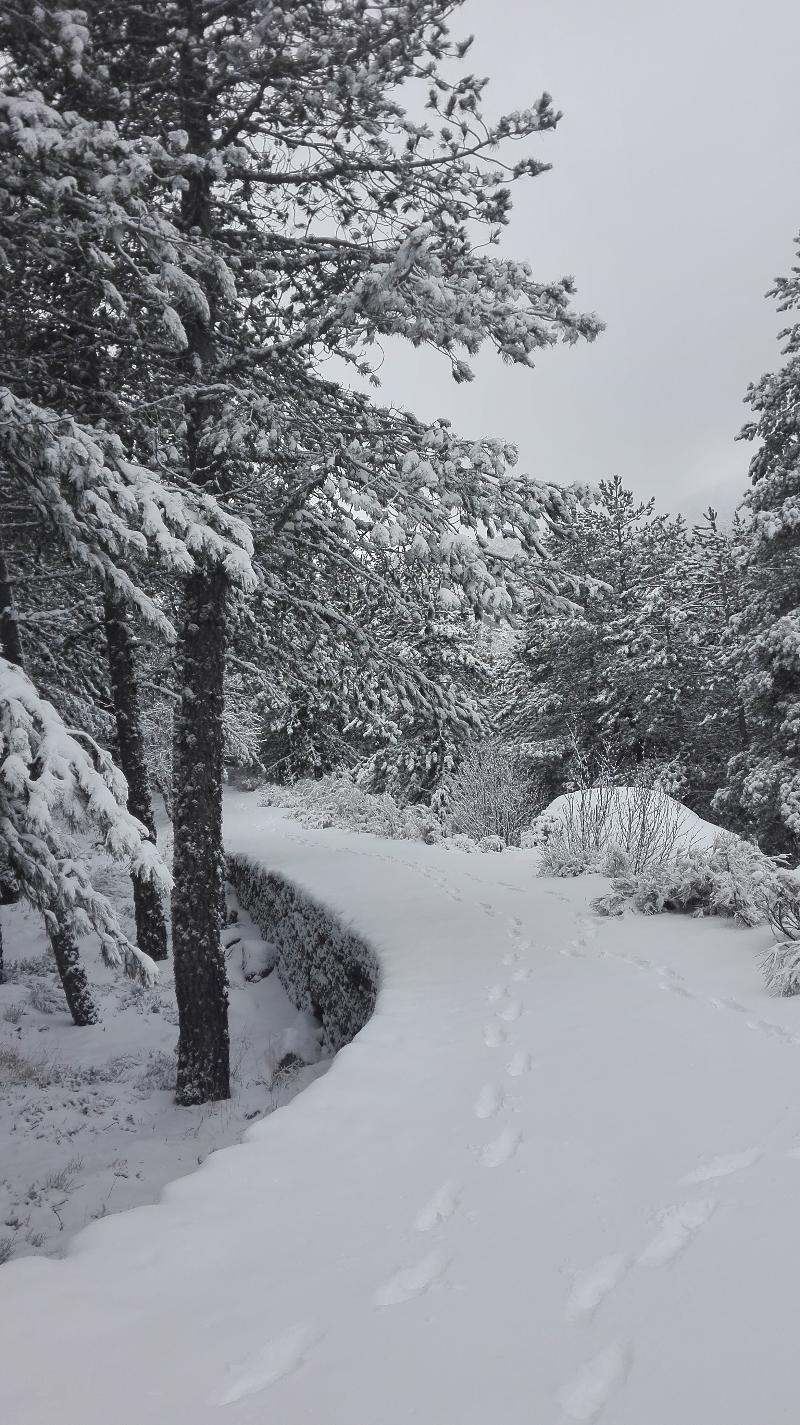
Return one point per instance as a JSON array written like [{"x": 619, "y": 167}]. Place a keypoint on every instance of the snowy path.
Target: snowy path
[{"x": 553, "y": 1180}]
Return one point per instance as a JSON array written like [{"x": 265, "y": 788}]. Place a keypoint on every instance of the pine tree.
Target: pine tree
[
  {"x": 762, "y": 794},
  {"x": 636, "y": 667},
  {"x": 300, "y": 212}
]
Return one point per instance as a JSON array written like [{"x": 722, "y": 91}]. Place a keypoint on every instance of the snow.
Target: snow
[
  {"x": 88, "y": 1125},
  {"x": 553, "y": 1179},
  {"x": 619, "y": 807}
]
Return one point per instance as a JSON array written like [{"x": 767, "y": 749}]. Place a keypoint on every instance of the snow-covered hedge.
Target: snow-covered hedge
[{"x": 326, "y": 969}]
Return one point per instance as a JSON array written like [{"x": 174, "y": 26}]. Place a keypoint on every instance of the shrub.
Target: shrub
[
  {"x": 338, "y": 801},
  {"x": 781, "y": 968},
  {"x": 614, "y": 830},
  {"x": 730, "y": 877},
  {"x": 491, "y": 794}
]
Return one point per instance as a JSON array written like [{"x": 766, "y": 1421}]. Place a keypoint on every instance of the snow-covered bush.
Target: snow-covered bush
[
  {"x": 730, "y": 877},
  {"x": 491, "y": 794},
  {"x": 338, "y": 801},
  {"x": 781, "y": 968},
  {"x": 326, "y": 969},
  {"x": 781, "y": 964},
  {"x": 608, "y": 829}
]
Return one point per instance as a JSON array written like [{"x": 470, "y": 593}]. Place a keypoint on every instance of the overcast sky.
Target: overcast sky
[{"x": 673, "y": 200}]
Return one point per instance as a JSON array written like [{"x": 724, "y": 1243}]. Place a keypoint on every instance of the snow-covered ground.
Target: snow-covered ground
[
  {"x": 554, "y": 1179},
  {"x": 88, "y": 1125}
]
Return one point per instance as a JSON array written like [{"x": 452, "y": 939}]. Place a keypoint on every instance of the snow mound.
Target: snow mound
[
  {"x": 625, "y": 803},
  {"x": 615, "y": 829}
]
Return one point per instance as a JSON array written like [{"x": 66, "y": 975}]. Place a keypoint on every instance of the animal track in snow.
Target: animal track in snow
[
  {"x": 441, "y": 1206},
  {"x": 501, "y": 1148},
  {"x": 412, "y": 1281},
  {"x": 592, "y": 1288},
  {"x": 574, "y": 950},
  {"x": 723, "y": 1166},
  {"x": 496, "y": 993},
  {"x": 279, "y": 1357},
  {"x": 494, "y": 1035},
  {"x": 522, "y": 974},
  {"x": 520, "y": 1063},
  {"x": 593, "y": 1387},
  {"x": 679, "y": 1225},
  {"x": 733, "y": 1004},
  {"x": 489, "y": 1101},
  {"x": 509, "y": 1010},
  {"x": 512, "y": 957},
  {"x": 674, "y": 988},
  {"x": 773, "y": 1030}
]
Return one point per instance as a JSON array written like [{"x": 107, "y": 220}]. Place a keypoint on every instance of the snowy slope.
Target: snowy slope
[{"x": 554, "y": 1179}]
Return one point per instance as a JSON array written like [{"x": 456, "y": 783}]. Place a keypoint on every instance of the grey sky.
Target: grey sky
[{"x": 674, "y": 200}]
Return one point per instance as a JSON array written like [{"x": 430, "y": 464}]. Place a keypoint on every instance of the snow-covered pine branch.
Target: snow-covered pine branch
[{"x": 54, "y": 782}]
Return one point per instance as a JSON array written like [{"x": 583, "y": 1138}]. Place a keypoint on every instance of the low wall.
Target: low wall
[{"x": 325, "y": 968}]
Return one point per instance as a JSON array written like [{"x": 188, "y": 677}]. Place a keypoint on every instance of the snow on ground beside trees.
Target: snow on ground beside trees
[
  {"x": 88, "y": 1123},
  {"x": 552, "y": 1180}
]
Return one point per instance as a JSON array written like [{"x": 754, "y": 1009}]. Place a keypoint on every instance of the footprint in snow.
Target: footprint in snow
[
  {"x": 412, "y": 1281},
  {"x": 773, "y": 1030},
  {"x": 520, "y": 1063},
  {"x": 593, "y": 1287},
  {"x": 733, "y": 1004},
  {"x": 441, "y": 1206},
  {"x": 672, "y": 987},
  {"x": 723, "y": 1166},
  {"x": 277, "y": 1358},
  {"x": 573, "y": 951},
  {"x": 512, "y": 958},
  {"x": 494, "y": 1035},
  {"x": 522, "y": 974},
  {"x": 509, "y": 1011},
  {"x": 496, "y": 993},
  {"x": 489, "y": 1101},
  {"x": 679, "y": 1225},
  {"x": 594, "y": 1386},
  {"x": 502, "y": 1148}
]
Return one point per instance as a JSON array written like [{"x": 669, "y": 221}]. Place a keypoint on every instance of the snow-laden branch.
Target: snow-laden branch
[{"x": 55, "y": 782}]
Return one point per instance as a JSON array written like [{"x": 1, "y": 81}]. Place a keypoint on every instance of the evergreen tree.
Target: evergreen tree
[
  {"x": 290, "y": 208},
  {"x": 762, "y": 794},
  {"x": 637, "y": 666}
]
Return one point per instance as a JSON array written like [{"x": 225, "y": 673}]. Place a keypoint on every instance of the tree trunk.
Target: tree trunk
[
  {"x": 73, "y": 976},
  {"x": 62, "y": 940},
  {"x": 151, "y": 925},
  {"x": 10, "y": 637},
  {"x": 198, "y": 897}
]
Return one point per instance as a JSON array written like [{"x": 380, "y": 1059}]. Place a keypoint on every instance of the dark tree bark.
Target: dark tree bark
[
  {"x": 62, "y": 940},
  {"x": 198, "y": 897},
  {"x": 73, "y": 976},
  {"x": 151, "y": 925}
]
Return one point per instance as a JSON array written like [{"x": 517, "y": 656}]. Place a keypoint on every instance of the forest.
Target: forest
[
  {"x": 399, "y": 835},
  {"x": 221, "y": 559}
]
